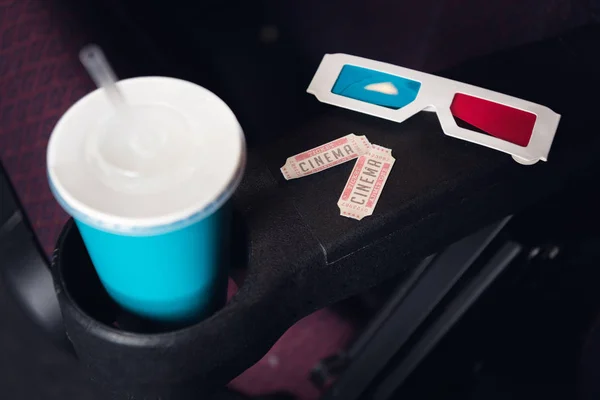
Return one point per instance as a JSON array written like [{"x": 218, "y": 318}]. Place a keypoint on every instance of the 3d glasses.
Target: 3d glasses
[{"x": 495, "y": 120}]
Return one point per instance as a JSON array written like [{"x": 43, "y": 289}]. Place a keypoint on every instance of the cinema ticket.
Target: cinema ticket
[
  {"x": 325, "y": 156},
  {"x": 363, "y": 189}
]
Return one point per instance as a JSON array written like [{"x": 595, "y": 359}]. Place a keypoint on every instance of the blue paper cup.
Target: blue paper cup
[
  {"x": 173, "y": 277},
  {"x": 149, "y": 193}
]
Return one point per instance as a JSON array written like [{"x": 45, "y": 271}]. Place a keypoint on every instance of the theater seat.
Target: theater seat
[{"x": 40, "y": 77}]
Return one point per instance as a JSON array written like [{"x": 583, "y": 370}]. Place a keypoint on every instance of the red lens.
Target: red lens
[{"x": 498, "y": 120}]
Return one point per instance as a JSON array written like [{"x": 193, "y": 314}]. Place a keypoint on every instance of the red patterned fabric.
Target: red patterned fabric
[{"x": 40, "y": 77}]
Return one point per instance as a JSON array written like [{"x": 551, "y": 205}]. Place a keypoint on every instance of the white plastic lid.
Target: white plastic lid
[{"x": 174, "y": 157}]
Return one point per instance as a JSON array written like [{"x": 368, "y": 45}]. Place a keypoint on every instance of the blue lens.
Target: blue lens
[{"x": 375, "y": 87}]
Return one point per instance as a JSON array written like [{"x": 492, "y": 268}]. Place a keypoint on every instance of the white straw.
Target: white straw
[{"x": 99, "y": 69}]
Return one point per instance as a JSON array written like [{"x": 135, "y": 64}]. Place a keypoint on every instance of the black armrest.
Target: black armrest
[{"x": 454, "y": 186}]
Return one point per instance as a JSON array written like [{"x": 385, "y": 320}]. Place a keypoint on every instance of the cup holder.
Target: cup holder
[
  {"x": 136, "y": 359},
  {"x": 87, "y": 292},
  {"x": 96, "y": 325}
]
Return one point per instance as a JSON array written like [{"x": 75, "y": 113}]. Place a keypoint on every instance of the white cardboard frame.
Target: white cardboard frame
[{"x": 436, "y": 94}]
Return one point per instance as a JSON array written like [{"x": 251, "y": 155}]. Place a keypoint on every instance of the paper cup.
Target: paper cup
[{"x": 149, "y": 189}]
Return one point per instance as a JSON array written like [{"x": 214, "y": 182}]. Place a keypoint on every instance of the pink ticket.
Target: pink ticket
[
  {"x": 362, "y": 191},
  {"x": 325, "y": 156}
]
